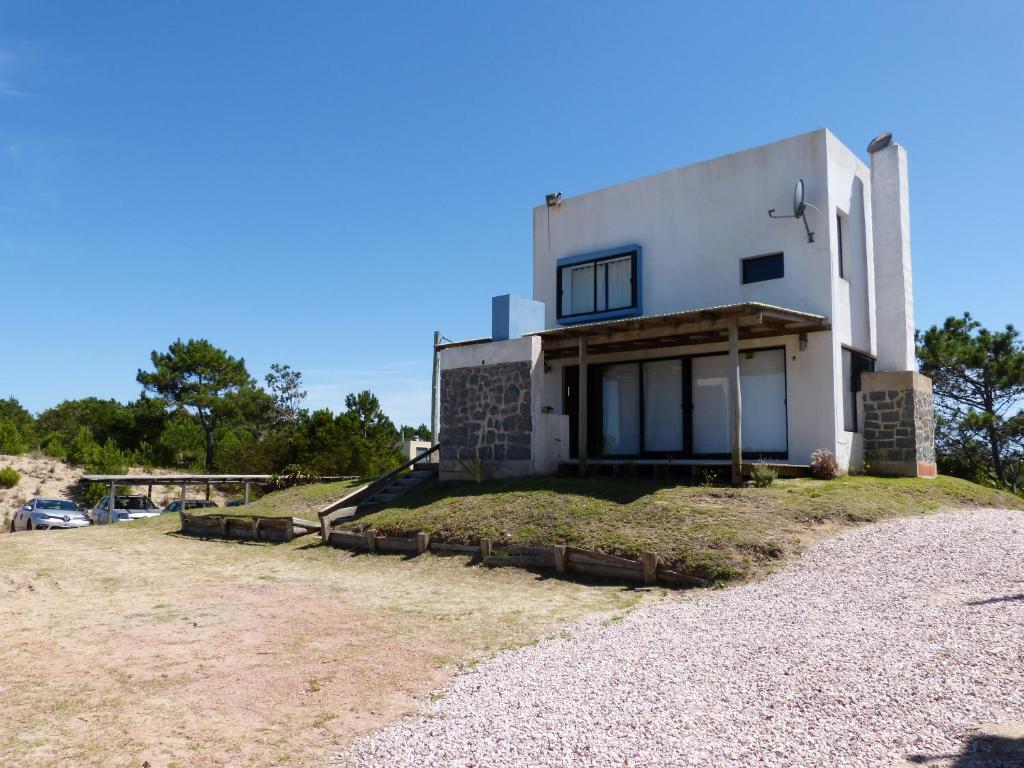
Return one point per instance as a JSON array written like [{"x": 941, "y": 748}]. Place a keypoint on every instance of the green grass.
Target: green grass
[
  {"x": 715, "y": 533},
  {"x": 301, "y": 501}
]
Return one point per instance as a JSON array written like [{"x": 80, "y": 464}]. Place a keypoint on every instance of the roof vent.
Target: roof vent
[{"x": 881, "y": 141}]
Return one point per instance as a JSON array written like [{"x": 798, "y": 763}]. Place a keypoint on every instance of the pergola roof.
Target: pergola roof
[
  {"x": 754, "y": 320},
  {"x": 185, "y": 479}
]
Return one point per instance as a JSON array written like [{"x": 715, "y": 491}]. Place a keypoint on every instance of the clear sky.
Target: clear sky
[{"x": 323, "y": 183}]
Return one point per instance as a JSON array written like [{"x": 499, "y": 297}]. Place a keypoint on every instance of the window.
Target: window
[
  {"x": 758, "y": 268},
  {"x": 854, "y": 364},
  {"x": 603, "y": 284},
  {"x": 841, "y": 241}
]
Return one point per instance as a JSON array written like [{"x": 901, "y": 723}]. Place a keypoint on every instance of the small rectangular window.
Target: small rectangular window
[
  {"x": 840, "y": 241},
  {"x": 854, "y": 364},
  {"x": 758, "y": 268},
  {"x": 602, "y": 284}
]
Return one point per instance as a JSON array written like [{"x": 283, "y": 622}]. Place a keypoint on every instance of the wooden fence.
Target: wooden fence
[
  {"x": 563, "y": 559},
  {"x": 274, "y": 529}
]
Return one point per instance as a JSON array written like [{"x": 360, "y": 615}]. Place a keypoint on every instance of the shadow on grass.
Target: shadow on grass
[
  {"x": 614, "y": 490},
  {"x": 982, "y": 751}
]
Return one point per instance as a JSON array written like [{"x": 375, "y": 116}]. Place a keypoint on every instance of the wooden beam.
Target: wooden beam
[
  {"x": 735, "y": 404},
  {"x": 246, "y": 497},
  {"x": 582, "y": 407},
  {"x": 112, "y": 504}
]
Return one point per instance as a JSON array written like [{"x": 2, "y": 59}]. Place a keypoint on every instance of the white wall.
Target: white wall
[{"x": 696, "y": 223}]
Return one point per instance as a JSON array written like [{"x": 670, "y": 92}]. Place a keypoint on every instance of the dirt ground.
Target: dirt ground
[{"x": 130, "y": 644}]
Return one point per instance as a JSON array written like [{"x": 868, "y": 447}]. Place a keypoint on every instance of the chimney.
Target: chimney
[{"x": 890, "y": 220}]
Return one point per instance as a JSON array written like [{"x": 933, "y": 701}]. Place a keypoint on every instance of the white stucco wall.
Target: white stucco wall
[{"x": 696, "y": 223}]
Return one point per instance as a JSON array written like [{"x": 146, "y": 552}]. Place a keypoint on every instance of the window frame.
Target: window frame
[
  {"x": 633, "y": 251},
  {"x": 780, "y": 255}
]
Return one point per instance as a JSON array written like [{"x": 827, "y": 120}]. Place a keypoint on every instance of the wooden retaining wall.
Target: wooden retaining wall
[
  {"x": 273, "y": 529},
  {"x": 564, "y": 560}
]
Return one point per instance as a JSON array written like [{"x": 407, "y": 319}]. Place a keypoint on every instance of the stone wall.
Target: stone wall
[
  {"x": 899, "y": 424},
  {"x": 486, "y": 415}
]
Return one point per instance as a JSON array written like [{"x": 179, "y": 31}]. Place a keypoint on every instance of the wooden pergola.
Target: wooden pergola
[{"x": 730, "y": 323}]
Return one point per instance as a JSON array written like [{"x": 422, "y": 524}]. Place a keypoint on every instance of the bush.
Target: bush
[
  {"x": 763, "y": 475},
  {"x": 9, "y": 477},
  {"x": 824, "y": 465},
  {"x": 10, "y": 440},
  {"x": 54, "y": 448}
]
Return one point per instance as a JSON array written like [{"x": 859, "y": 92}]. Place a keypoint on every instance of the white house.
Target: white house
[{"x": 674, "y": 320}]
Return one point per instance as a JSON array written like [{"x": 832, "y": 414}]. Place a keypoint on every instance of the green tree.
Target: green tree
[
  {"x": 11, "y": 442},
  {"x": 22, "y": 419},
  {"x": 196, "y": 376},
  {"x": 422, "y": 432},
  {"x": 105, "y": 420},
  {"x": 978, "y": 381},
  {"x": 285, "y": 387},
  {"x": 370, "y": 433}
]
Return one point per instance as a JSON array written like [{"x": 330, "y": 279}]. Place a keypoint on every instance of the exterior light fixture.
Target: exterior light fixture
[
  {"x": 803, "y": 342},
  {"x": 555, "y": 198}
]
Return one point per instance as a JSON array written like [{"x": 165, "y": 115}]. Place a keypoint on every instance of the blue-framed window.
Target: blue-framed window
[{"x": 599, "y": 286}]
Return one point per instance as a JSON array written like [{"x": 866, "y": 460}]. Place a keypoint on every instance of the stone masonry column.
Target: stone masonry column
[{"x": 899, "y": 424}]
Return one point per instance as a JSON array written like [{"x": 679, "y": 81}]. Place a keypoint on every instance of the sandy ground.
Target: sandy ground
[
  {"x": 50, "y": 478},
  {"x": 125, "y": 644}
]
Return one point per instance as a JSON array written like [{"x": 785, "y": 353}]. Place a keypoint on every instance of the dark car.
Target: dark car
[{"x": 175, "y": 505}]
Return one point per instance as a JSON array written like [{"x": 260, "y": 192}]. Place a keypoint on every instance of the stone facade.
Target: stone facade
[
  {"x": 486, "y": 416},
  {"x": 899, "y": 424}
]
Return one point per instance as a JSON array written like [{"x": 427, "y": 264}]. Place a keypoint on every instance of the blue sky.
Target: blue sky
[{"x": 323, "y": 184}]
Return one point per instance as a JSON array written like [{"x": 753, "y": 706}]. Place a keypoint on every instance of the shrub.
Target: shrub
[
  {"x": 10, "y": 440},
  {"x": 9, "y": 477},
  {"x": 824, "y": 465},
  {"x": 55, "y": 448},
  {"x": 763, "y": 475}
]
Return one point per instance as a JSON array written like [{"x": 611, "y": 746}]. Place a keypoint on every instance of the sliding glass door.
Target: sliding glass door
[
  {"x": 762, "y": 395},
  {"x": 680, "y": 406}
]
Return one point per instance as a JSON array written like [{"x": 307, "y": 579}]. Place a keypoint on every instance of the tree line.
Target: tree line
[{"x": 199, "y": 409}]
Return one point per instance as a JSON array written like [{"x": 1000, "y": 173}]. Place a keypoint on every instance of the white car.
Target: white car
[
  {"x": 125, "y": 508},
  {"x": 48, "y": 514}
]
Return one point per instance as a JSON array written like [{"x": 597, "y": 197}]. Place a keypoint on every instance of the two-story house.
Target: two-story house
[{"x": 674, "y": 320}]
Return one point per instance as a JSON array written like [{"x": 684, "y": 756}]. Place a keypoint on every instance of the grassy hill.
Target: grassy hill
[{"x": 715, "y": 533}]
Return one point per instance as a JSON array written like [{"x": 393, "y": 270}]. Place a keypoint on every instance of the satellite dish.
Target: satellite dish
[
  {"x": 800, "y": 206},
  {"x": 798, "y": 199},
  {"x": 881, "y": 141}
]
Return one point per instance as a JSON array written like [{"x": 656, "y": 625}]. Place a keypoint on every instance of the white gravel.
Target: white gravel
[{"x": 888, "y": 642}]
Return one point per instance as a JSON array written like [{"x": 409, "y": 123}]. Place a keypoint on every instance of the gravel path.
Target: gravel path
[{"x": 887, "y": 643}]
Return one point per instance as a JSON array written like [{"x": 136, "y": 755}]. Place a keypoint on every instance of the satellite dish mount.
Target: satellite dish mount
[{"x": 800, "y": 205}]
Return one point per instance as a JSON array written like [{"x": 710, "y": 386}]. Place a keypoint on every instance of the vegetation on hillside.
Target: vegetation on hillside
[
  {"x": 200, "y": 409},
  {"x": 714, "y": 533}
]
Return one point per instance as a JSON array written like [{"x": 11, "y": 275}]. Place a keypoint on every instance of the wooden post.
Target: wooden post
[
  {"x": 207, "y": 490},
  {"x": 371, "y": 541},
  {"x": 223, "y": 526},
  {"x": 422, "y": 542},
  {"x": 561, "y": 558},
  {"x": 485, "y": 548},
  {"x": 649, "y": 561},
  {"x": 735, "y": 404},
  {"x": 181, "y": 516},
  {"x": 582, "y": 410},
  {"x": 255, "y": 529},
  {"x": 112, "y": 504},
  {"x": 246, "y": 497},
  {"x": 149, "y": 493},
  {"x": 183, "y": 493}
]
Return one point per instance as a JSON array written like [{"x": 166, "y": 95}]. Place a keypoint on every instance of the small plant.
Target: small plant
[
  {"x": 9, "y": 477},
  {"x": 1013, "y": 475},
  {"x": 478, "y": 469},
  {"x": 11, "y": 442},
  {"x": 709, "y": 477},
  {"x": 763, "y": 475},
  {"x": 824, "y": 465}
]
